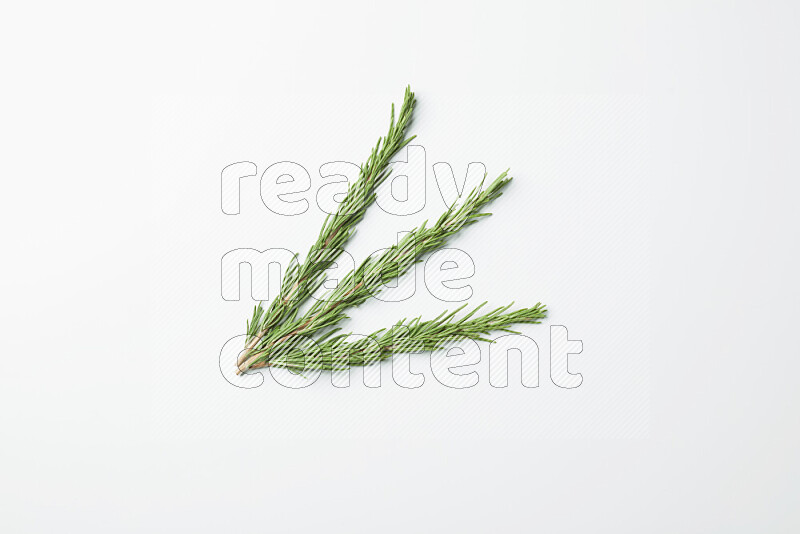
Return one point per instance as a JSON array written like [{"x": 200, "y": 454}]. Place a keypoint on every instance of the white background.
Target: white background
[{"x": 653, "y": 210}]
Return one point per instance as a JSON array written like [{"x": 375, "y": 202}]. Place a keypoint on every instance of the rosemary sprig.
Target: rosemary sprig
[
  {"x": 404, "y": 337},
  {"x": 277, "y": 337},
  {"x": 369, "y": 277},
  {"x": 300, "y": 281}
]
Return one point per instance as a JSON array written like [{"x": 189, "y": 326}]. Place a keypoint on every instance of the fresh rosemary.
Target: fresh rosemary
[
  {"x": 278, "y": 337},
  {"x": 300, "y": 281}
]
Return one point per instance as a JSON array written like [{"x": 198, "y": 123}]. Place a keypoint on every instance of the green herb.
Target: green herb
[
  {"x": 300, "y": 281},
  {"x": 277, "y": 337},
  {"x": 414, "y": 336}
]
